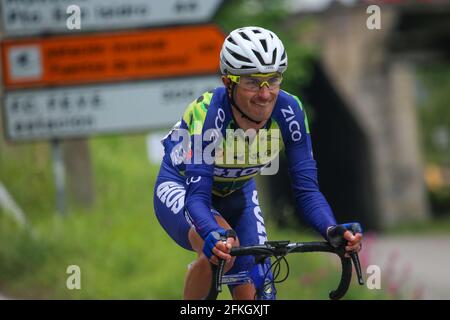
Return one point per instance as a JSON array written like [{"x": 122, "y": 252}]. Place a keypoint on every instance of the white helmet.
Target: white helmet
[{"x": 252, "y": 50}]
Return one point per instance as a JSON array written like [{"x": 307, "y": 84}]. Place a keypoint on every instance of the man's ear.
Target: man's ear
[{"x": 226, "y": 82}]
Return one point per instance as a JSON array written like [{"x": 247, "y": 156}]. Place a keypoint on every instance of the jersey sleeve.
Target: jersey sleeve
[
  {"x": 205, "y": 121},
  {"x": 311, "y": 203}
]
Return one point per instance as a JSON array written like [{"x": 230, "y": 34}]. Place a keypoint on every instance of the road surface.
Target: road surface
[{"x": 417, "y": 267}]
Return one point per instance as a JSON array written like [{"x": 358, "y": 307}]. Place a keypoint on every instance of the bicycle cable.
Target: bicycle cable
[{"x": 275, "y": 267}]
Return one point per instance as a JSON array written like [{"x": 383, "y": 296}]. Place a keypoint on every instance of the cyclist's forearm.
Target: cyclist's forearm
[
  {"x": 198, "y": 204},
  {"x": 310, "y": 201},
  {"x": 318, "y": 214}
]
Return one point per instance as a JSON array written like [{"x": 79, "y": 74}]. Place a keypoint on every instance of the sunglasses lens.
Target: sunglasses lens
[{"x": 254, "y": 84}]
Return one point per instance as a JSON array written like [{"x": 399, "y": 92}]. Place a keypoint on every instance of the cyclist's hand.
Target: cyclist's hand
[
  {"x": 354, "y": 242},
  {"x": 216, "y": 247},
  {"x": 348, "y": 234}
]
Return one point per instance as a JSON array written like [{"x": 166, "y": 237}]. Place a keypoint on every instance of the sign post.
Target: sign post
[
  {"x": 128, "y": 66},
  {"x": 59, "y": 174},
  {"x": 111, "y": 57},
  {"x": 28, "y": 17},
  {"x": 83, "y": 111}
]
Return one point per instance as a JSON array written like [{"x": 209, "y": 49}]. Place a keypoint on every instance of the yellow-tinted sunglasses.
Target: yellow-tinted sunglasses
[{"x": 252, "y": 83}]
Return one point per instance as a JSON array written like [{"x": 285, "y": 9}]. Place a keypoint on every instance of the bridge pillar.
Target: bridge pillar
[{"x": 379, "y": 92}]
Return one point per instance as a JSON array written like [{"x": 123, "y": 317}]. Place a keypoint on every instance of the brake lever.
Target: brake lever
[
  {"x": 219, "y": 275},
  {"x": 356, "y": 228},
  {"x": 220, "y": 269},
  {"x": 357, "y": 264}
]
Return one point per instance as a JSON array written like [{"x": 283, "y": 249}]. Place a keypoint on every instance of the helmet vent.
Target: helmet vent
[
  {"x": 228, "y": 63},
  {"x": 238, "y": 56},
  {"x": 229, "y": 39},
  {"x": 264, "y": 44},
  {"x": 274, "y": 56},
  {"x": 258, "y": 55},
  {"x": 244, "y": 36}
]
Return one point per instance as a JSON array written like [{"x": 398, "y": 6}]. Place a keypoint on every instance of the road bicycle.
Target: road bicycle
[{"x": 280, "y": 249}]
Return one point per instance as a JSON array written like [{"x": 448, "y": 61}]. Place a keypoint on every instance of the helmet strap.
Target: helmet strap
[{"x": 231, "y": 90}]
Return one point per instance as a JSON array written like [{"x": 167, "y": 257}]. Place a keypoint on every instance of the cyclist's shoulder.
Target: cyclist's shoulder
[
  {"x": 208, "y": 98},
  {"x": 285, "y": 98},
  {"x": 207, "y": 101},
  {"x": 205, "y": 98},
  {"x": 287, "y": 105}
]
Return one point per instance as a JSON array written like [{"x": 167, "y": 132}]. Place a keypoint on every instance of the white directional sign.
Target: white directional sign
[
  {"x": 83, "y": 111},
  {"x": 31, "y": 17}
]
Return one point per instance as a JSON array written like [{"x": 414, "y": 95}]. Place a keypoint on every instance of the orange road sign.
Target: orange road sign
[{"x": 112, "y": 57}]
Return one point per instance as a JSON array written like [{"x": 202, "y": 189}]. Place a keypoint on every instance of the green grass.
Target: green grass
[
  {"x": 437, "y": 225},
  {"x": 121, "y": 249},
  {"x": 118, "y": 244}
]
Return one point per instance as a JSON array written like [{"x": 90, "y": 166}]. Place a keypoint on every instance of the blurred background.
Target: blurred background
[{"x": 88, "y": 94}]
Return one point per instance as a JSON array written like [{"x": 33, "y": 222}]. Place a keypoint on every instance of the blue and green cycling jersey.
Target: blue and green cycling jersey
[{"x": 217, "y": 157}]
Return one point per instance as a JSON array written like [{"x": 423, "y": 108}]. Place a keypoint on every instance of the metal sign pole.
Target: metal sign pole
[{"x": 59, "y": 174}]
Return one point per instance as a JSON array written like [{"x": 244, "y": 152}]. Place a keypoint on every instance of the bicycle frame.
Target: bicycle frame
[
  {"x": 244, "y": 277},
  {"x": 283, "y": 248}
]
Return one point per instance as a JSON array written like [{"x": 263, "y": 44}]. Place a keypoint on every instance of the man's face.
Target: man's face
[{"x": 256, "y": 95}]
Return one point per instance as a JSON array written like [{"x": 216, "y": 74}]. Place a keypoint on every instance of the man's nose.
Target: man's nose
[{"x": 264, "y": 92}]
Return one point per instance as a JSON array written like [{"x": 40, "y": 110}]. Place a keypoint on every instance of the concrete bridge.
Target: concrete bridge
[{"x": 363, "y": 97}]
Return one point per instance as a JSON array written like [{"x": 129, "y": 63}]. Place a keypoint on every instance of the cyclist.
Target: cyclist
[{"x": 196, "y": 197}]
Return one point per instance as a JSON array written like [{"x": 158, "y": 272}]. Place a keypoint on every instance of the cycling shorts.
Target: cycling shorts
[{"x": 240, "y": 209}]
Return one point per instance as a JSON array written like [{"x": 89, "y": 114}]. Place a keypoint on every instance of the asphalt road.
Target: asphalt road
[
  {"x": 416, "y": 267},
  {"x": 412, "y": 267}
]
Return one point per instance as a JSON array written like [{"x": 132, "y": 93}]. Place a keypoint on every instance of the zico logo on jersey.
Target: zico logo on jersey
[{"x": 294, "y": 126}]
